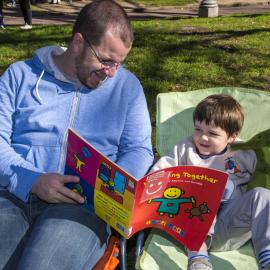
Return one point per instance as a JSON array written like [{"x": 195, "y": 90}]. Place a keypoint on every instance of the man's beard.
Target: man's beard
[{"x": 83, "y": 76}]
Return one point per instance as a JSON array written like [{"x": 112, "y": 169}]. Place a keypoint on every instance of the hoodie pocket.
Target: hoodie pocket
[{"x": 46, "y": 158}]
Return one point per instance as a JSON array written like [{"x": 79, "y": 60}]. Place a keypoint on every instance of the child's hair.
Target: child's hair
[{"x": 223, "y": 110}]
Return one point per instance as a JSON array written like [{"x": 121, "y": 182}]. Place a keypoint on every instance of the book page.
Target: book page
[
  {"x": 105, "y": 186},
  {"x": 182, "y": 201}
]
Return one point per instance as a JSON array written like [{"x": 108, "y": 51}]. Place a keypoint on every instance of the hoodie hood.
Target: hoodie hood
[
  {"x": 44, "y": 60},
  {"x": 45, "y": 56}
]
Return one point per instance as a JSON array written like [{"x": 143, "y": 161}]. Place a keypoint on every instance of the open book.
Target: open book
[{"x": 182, "y": 200}]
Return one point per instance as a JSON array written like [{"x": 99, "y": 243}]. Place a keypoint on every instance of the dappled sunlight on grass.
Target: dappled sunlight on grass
[
  {"x": 223, "y": 55},
  {"x": 174, "y": 55},
  {"x": 18, "y": 45}
]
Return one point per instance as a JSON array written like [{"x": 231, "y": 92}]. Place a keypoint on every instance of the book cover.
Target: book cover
[{"x": 182, "y": 201}]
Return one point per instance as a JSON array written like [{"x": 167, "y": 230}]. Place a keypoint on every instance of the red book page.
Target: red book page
[{"x": 182, "y": 201}]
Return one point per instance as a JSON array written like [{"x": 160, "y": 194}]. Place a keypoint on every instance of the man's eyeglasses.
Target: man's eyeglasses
[{"x": 106, "y": 63}]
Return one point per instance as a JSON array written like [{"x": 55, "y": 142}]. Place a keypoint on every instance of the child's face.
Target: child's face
[{"x": 210, "y": 139}]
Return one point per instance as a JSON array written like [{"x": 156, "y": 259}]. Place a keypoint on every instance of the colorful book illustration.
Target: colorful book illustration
[{"x": 182, "y": 200}]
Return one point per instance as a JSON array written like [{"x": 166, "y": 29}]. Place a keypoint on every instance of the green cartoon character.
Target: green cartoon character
[{"x": 171, "y": 201}]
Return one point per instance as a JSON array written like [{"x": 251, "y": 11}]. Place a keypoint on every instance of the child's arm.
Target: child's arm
[{"x": 175, "y": 158}]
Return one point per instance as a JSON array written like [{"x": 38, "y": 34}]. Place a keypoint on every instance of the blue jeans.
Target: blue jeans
[{"x": 37, "y": 235}]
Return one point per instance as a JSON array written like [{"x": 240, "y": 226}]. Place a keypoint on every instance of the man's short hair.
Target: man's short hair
[
  {"x": 223, "y": 110},
  {"x": 96, "y": 18}
]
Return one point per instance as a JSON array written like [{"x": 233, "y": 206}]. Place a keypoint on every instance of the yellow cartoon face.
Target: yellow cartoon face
[{"x": 172, "y": 193}]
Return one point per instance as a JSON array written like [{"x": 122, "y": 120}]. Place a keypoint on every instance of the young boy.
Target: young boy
[{"x": 243, "y": 215}]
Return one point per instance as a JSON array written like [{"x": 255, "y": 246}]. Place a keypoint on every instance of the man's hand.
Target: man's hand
[{"x": 51, "y": 188}]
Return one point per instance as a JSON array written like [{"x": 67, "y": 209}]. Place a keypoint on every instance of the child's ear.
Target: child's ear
[{"x": 232, "y": 138}]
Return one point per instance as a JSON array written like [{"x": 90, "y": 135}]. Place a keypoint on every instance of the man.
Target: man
[{"x": 43, "y": 225}]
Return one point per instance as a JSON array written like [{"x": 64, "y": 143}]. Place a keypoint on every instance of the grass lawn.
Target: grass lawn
[{"x": 174, "y": 55}]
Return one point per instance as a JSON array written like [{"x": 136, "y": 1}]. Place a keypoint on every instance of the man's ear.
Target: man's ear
[
  {"x": 232, "y": 138},
  {"x": 77, "y": 42}
]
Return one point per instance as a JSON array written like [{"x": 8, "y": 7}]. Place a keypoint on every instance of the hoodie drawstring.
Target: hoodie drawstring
[{"x": 36, "y": 88}]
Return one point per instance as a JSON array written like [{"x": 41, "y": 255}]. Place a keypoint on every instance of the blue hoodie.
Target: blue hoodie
[{"x": 37, "y": 106}]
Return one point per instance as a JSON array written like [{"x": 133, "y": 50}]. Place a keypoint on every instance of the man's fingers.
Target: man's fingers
[
  {"x": 50, "y": 187},
  {"x": 59, "y": 198},
  {"x": 71, "y": 195},
  {"x": 69, "y": 179},
  {"x": 65, "y": 194}
]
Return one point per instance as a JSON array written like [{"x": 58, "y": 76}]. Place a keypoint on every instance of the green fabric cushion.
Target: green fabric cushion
[
  {"x": 174, "y": 113},
  {"x": 260, "y": 143},
  {"x": 174, "y": 122},
  {"x": 162, "y": 252}
]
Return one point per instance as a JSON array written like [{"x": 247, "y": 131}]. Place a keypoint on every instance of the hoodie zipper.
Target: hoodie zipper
[{"x": 71, "y": 122}]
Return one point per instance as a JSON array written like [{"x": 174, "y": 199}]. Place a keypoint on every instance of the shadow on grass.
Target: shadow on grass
[
  {"x": 195, "y": 43},
  {"x": 208, "y": 59},
  {"x": 190, "y": 43},
  {"x": 16, "y": 45},
  {"x": 198, "y": 56}
]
